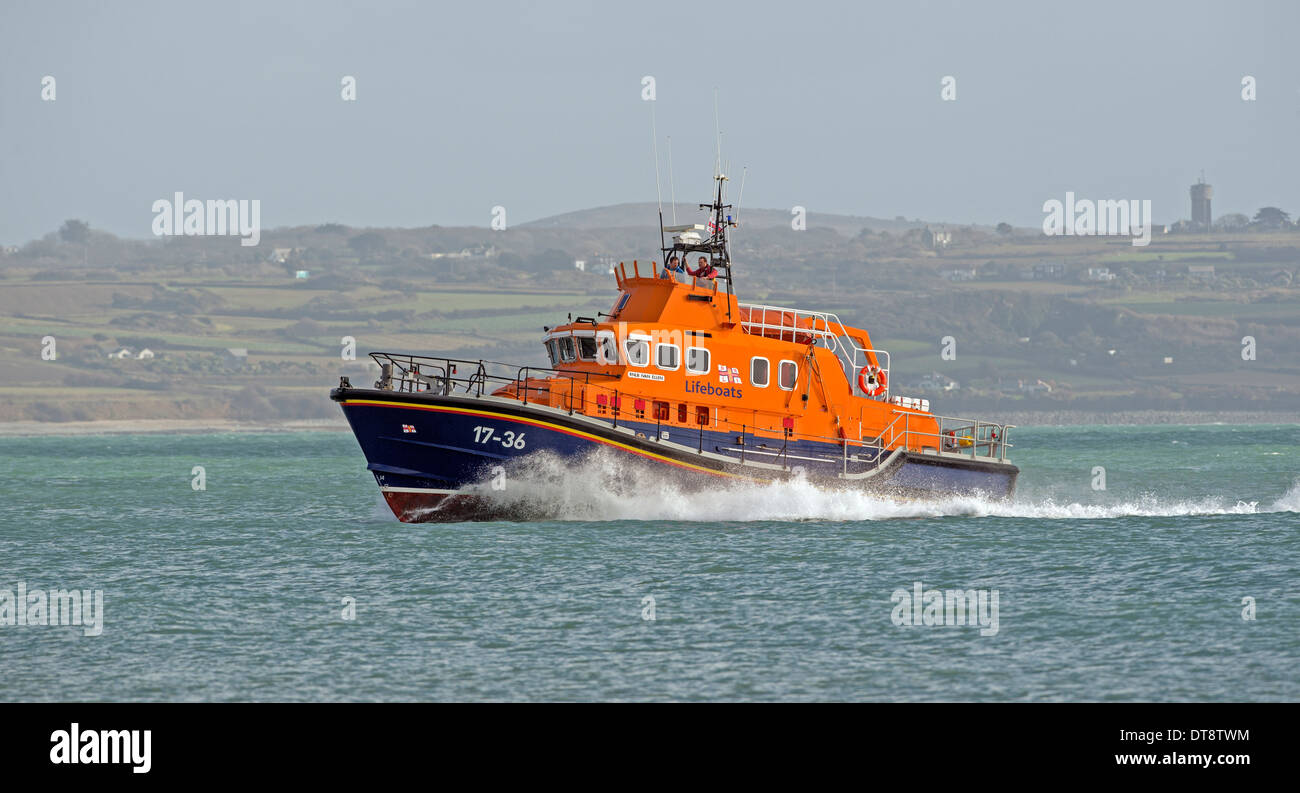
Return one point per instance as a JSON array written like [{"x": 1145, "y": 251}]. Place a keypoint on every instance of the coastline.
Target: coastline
[
  {"x": 165, "y": 426},
  {"x": 1075, "y": 418},
  {"x": 1043, "y": 418}
]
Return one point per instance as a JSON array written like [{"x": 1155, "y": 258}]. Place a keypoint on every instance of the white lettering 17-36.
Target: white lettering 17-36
[{"x": 507, "y": 439}]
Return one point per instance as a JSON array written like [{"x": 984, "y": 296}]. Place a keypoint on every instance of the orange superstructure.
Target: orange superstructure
[{"x": 685, "y": 352}]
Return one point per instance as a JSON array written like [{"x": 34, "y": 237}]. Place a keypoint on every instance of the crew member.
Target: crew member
[{"x": 705, "y": 270}]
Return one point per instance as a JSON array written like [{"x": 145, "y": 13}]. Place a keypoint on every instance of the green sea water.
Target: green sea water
[{"x": 286, "y": 578}]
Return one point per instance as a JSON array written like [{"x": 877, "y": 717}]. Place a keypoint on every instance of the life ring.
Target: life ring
[{"x": 872, "y": 380}]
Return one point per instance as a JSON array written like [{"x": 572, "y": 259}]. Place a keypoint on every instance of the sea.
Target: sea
[{"x": 1135, "y": 563}]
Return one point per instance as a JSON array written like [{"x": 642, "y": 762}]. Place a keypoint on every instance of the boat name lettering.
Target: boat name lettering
[{"x": 708, "y": 389}]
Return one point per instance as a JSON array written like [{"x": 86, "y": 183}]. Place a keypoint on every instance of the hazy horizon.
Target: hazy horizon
[{"x": 833, "y": 107}]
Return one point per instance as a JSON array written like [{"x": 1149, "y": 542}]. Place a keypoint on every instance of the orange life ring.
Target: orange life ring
[{"x": 872, "y": 380}]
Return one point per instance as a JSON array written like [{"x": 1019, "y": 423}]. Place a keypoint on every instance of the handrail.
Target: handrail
[
  {"x": 804, "y": 322},
  {"x": 441, "y": 375},
  {"x": 890, "y": 426}
]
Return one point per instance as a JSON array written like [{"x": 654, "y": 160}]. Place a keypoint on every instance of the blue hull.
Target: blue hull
[{"x": 433, "y": 456}]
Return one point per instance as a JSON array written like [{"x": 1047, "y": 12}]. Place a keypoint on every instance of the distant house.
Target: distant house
[
  {"x": 122, "y": 353},
  {"x": 961, "y": 275},
  {"x": 936, "y": 240},
  {"x": 601, "y": 265},
  {"x": 934, "y": 381},
  {"x": 235, "y": 355},
  {"x": 144, "y": 354},
  {"x": 1100, "y": 274},
  {"x": 301, "y": 275},
  {"x": 1049, "y": 271},
  {"x": 475, "y": 251},
  {"x": 282, "y": 255}
]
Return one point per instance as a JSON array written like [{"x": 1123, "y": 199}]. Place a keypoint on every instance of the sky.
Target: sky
[{"x": 538, "y": 108}]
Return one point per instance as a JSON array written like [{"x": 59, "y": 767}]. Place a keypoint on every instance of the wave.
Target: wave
[
  {"x": 1290, "y": 501},
  {"x": 603, "y": 487}
]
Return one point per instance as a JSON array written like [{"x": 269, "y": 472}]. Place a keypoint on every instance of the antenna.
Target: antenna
[
  {"x": 717, "y": 128},
  {"x": 671, "y": 184},
  {"x": 739, "y": 198},
  {"x": 654, "y": 145}
]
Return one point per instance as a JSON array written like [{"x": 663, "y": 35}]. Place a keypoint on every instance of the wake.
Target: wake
[{"x": 604, "y": 488}]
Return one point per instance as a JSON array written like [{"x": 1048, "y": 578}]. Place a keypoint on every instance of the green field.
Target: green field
[{"x": 1008, "y": 329}]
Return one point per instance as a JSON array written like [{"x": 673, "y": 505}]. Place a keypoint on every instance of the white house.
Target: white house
[{"x": 144, "y": 354}]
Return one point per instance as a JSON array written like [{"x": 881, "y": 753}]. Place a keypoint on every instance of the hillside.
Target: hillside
[
  {"x": 643, "y": 218},
  {"x": 1037, "y": 323}
]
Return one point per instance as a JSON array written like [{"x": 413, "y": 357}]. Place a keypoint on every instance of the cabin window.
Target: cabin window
[
  {"x": 661, "y": 411},
  {"x": 587, "y": 348},
  {"x": 566, "y": 349},
  {"x": 622, "y": 301},
  {"x": 701, "y": 415},
  {"x": 638, "y": 351},
  {"x": 681, "y": 412},
  {"x": 607, "y": 349},
  {"x": 697, "y": 360},
  {"x": 667, "y": 356},
  {"x": 552, "y": 352},
  {"x": 787, "y": 374},
  {"x": 759, "y": 371}
]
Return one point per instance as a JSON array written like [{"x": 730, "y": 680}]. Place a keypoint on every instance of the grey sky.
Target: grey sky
[{"x": 537, "y": 108}]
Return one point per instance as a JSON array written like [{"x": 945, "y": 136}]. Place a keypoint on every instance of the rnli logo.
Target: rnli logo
[
  {"x": 725, "y": 376},
  {"x": 408, "y": 429}
]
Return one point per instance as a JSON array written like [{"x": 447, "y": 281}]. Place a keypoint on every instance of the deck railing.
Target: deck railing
[
  {"x": 760, "y": 436},
  {"x": 819, "y": 327},
  {"x": 451, "y": 376}
]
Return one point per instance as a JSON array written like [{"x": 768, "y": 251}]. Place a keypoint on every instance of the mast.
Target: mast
[
  {"x": 716, "y": 245},
  {"x": 688, "y": 238}
]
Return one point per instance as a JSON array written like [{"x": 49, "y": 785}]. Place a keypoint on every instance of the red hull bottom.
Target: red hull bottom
[{"x": 435, "y": 507}]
